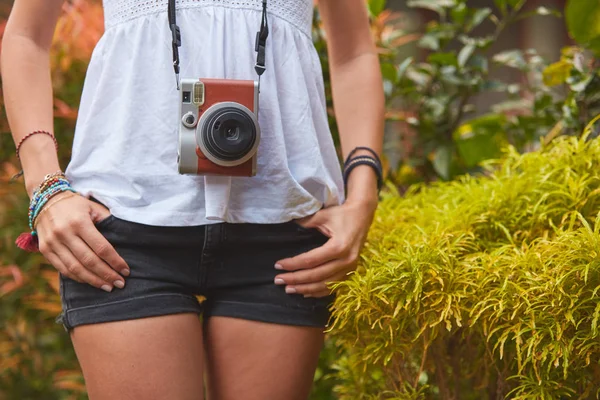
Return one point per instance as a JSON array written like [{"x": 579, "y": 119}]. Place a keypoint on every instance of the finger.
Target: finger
[
  {"x": 331, "y": 250},
  {"x": 90, "y": 260},
  {"x": 74, "y": 267},
  {"x": 311, "y": 275},
  {"x": 316, "y": 287},
  {"x": 103, "y": 249},
  {"x": 60, "y": 267}
]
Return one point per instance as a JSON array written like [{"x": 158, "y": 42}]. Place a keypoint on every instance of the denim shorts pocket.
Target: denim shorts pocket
[
  {"x": 312, "y": 231},
  {"x": 104, "y": 221}
]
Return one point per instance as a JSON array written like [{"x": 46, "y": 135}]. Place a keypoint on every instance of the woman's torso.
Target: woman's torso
[{"x": 125, "y": 146}]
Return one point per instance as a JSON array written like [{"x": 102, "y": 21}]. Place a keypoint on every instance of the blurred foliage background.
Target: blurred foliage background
[{"x": 444, "y": 304}]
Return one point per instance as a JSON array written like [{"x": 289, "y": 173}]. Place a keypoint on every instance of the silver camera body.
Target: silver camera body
[{"x": 219, "y": 132}]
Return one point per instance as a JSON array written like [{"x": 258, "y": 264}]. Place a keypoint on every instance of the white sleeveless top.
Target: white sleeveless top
[{"x": 125, "y": 145}]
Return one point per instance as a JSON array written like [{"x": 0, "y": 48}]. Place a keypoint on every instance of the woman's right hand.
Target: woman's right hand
[{"x": 69, "y": 240}]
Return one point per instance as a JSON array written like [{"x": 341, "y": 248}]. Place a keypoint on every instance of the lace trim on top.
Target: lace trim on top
[{"x": 297, "y": 12}]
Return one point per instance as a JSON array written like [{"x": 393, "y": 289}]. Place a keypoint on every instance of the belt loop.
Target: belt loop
[{"x": 224, "y": 227}]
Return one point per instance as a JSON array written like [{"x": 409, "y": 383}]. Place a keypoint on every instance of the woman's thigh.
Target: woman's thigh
[
  {"x": 260, "y": 342},
  {"x": 153, "y": 358},
  {"x": 254, "y": 360}
]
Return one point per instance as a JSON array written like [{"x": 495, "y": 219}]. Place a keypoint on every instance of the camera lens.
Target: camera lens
[{"x": 229, "y": 133}]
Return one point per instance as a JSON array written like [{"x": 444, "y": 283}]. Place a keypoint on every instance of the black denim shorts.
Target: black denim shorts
[{"x": 230, "y": 266}]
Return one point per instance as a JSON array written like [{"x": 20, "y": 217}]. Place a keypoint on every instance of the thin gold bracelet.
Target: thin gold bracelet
[{"x": 47, "y": 206}]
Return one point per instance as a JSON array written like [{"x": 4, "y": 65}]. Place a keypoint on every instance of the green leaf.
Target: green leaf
[
  {"x": 481, "y": 139},
  {"x": 583, "y": 22},
  {"x": 464, "y": 54},
  {"x": 389, "y": 72},
  {"x": 478, "y": 17},
  {"x": 557, "y": 73},
  {"x": 494, "y": 86},
  {"x": 459, "y": 13},
  {"x": 438, "y": 6},
  {"x": 430, "y": 41},
  {"x": 442, "y": 58},
  {"x": 520, "y": 105},
  {"x": 479, "y": 63},
  {"x": 480, "y": 42},
  {"x": 547, "y": 11},
  {"x": 502, "y": 6},
  {"x": 511, "y": 58},
  {"x": 376, "y": 7},
  {"x": 403, "y": 67},
  {"x": 448, "y": 75},
  {"x": 436, "y": 106},
  {"x": 579, "y": 83},
  {"x": 442, "y": 161},
  {"x": 418, "y": 77}
]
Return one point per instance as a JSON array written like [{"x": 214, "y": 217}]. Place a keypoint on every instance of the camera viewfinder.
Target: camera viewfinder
[{"x": 187, "y": 96}]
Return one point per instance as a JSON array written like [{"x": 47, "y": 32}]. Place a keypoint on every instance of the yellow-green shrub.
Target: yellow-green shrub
[{"x": 482, "y": 288}]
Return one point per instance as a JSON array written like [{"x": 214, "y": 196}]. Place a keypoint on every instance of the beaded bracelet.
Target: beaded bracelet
[
  {"x": 46, "y": 180},
  {"x": 50, "y": 204},
  {"x": 30, "y": 134},
  {"x": 51, "y": 185},
  {"x": 43, "y": 199}
]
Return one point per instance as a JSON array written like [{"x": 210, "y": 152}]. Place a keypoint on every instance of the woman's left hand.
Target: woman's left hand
[{"x": 347, "y": 226}]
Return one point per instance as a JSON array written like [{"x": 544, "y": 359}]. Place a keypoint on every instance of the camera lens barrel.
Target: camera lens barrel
[{"x": 228, "y": 133}]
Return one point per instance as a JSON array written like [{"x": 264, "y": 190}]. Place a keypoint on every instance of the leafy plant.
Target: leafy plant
[
  {"x": 583, "y": 19},
  {"x": 481, "y": 288},
  {"x": 435, "y": 98}
]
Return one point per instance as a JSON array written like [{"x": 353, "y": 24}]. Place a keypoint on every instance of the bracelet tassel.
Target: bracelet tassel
[{"x": 28, "y": 242}]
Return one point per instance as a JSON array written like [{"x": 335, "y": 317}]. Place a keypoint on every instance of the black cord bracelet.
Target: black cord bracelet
[
  {"x": 370, "y": 150},
  {"x": 372, "y": 162}
]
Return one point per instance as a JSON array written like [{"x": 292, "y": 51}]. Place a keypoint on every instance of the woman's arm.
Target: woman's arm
[
  {"x": 359, "y": 108},
  {"x": 67, "y": 236},
  {"x": 357, "y": 87},
  {"x": 25, "y": 66}
]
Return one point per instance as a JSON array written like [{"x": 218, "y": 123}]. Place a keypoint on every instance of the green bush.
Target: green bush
[
  {"x": 434, "y": 98},
  {"x": 481, "y": 288}
]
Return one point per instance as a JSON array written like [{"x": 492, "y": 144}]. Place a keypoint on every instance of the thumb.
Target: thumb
[
  {"x": 312, "y": 221},
  {"x": 98, "y": 212}
]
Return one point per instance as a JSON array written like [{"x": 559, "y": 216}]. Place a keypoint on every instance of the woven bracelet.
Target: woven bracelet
[
  {"x": 30, "y": 134},
  {"x": 364, "y": 160},
  {"x": 370, "y": 150}
]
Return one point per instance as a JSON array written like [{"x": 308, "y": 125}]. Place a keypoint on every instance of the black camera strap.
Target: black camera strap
[{"x": 259, "y": 47}]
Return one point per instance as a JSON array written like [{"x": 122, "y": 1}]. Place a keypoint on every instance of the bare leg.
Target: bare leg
[
  {"x": 153, "y": 358},
  {"x": 255, "y": 361}
]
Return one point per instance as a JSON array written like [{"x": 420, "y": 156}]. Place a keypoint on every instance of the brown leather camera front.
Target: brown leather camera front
[{"x": 218, "y": 91}]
